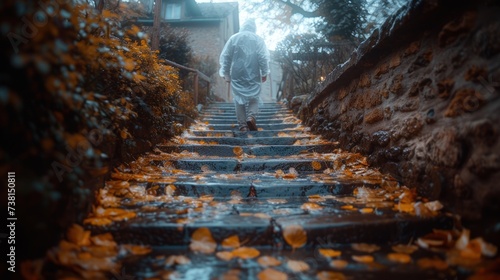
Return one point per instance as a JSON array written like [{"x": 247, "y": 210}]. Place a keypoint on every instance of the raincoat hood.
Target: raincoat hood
[{"x": 249, "y": 25}]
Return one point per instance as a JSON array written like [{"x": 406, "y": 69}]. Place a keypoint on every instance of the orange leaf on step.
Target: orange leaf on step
[
  {"x": 202, "y": 241},
  {"x": 271, "y": 274},
  {"x": 311, "y": 206},
  {"x": 330, "y": 275},
  {"x": 295, "y": 236},
  {"x": 329, "y": 253},
  {"x": 266, "y": 261},
  {"x": 246, "y": 253},
  {"x": 78, "y": 235},
  {"x": 231, "y": 242},
  {"x": 399, "y": 257},
  {"x": 225, "y": 255},
  {"x": 297, "y": 266}
]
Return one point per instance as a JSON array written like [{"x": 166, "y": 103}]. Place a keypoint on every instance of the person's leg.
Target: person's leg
[
  {"x": 252, "y": 112},
  {"x": 241, "y": 116}
]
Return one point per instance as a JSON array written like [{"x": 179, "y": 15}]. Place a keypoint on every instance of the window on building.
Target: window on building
[{"x": 171, "y": 10}]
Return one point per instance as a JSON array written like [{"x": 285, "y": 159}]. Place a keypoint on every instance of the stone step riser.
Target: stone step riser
[
  {"x": 228, "y": 150},
  {"x": 233, "y": 133},
  {"x": 249, "y": 141},
  {"x": 257, "y": 231},
  {"x": 230, "y": 165},
  {"x": 263, "y": 126},
  {"x": 280, "y": 188},
  {"x": 233, "y": 121}
]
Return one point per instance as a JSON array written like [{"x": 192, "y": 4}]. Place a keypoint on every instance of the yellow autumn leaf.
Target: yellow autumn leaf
[
  {"x": 295, "y": 236},
  {"x": 316, "y": 165},
  {"x": 271, "y": 274},
  {"x": 238, "y": 151},
  {"x": 225, "y": 255},
  {"x": 266, "y": 261},
  {"x": 347, "y": 207},
  {"x": 399, "y": 257},
  {"x": 339, "y": 264},
  {"x": 366, "y": 210},
  {"x": 364, "y": 247},
  {"x": 78, "y": 235},
  {"x": 246, "y": 253},
  {"x": 297, "y": 266},
  {"x": 231, "y": 242},
  {"x": 330, "y": 275},
  {"x": 202, "y": 241},
  {"x": 363, "y": 258},
  {"x": 97, "y": 221},
  {"x": 136, "y": 249},
  {"x": 105, "y": 239},
  {"x": 432, "y": 263},
  {"x": 311, "y": 206},
  {"x": 406, "y": 249},
  {"x": 170, "y": 190},
  {"x": 329, "y": 253},
  {"x": 177, "y": 259}
]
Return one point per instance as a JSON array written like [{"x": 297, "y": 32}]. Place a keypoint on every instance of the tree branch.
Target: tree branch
[{"x": 296, "y": 9}]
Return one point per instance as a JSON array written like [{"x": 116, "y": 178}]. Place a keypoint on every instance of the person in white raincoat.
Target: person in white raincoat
[{"x": 244, "y": 63}]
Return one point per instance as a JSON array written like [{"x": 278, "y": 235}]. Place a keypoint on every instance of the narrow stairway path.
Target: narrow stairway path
[{"x": 278, "y": 203}]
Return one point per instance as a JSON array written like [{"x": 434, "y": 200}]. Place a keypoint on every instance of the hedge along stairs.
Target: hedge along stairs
[{"x": 277, "y": 203}]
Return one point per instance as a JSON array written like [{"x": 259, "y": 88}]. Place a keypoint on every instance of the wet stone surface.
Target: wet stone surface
[{"x": 269, "y": 204}]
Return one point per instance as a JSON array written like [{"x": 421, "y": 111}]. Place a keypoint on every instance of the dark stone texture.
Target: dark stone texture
[{"x": 427, "y": 86}]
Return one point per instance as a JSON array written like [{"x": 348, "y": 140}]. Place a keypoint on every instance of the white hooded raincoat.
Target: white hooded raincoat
[{"x": 244, "y": 61}]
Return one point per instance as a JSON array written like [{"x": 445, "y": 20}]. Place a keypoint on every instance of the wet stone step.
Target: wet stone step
[
  {"x": 262, "y": 189},
  {"x": 263, "y": 222},
  {"x": 239, "y": 141},
  {"x": 232, "y": 110},
  {"x": 233, "y": 133},
  {"x": 208, "y": 266},
  {"x": 233, "y": 120},
  {"x": 246, "y": 165},
  {"x": 261, "y": 115},
  {"x": 229, "y": 150},
  {"x": 282, "y": 126},
  {"x": 231, "y": 105}
]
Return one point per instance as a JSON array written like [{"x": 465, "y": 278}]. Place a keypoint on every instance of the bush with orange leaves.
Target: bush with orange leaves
[{"x": 75, "y": 88}]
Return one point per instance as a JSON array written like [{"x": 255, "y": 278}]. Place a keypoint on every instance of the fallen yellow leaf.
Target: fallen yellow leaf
[
  {"x": 202, "y": 241},
  {"x": 399, "y": 257},
  {"x": 231, "y": 242},
  {"x": 266, "y": 261},
  {"x": 330, "y": 275},
  {"x": 366, "y": 210},
  {"x": 225, "y": 255},
  {"x": 297, "y": 266},
  {"x": 363, "y": 258},
  {"x": 177, "y": 259},
  {"x": 364, "y": 247},
  {"x": 311, "y": 206},
  {"x": 339, "y": 264},
  {"x": 316, "y": 165},
  {"x": 271, "y": 274},
  {"x": 246, "y": 253},
  {"x": 432, "y": 263},
  {"x": 295, "y": 236},
  {"x": 406, "y": 249},
  {"x": 77, "y": 235},
  {"x": 329, "y": 253}
]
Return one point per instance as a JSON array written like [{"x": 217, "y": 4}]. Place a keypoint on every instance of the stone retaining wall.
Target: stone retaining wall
[{"x": 420, "y": 98}]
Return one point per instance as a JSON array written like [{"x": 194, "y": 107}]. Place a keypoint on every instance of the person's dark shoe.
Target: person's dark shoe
[
  {"x": 251, "y": 124},
  {"x": 243, "y": 129}
]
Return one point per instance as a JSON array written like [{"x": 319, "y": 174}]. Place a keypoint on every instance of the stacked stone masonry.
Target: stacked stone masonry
[{"x": 421, "y": 99}]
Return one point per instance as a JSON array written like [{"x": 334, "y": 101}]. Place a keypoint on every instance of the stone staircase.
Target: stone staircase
[{"x": 278, "y": 203}]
